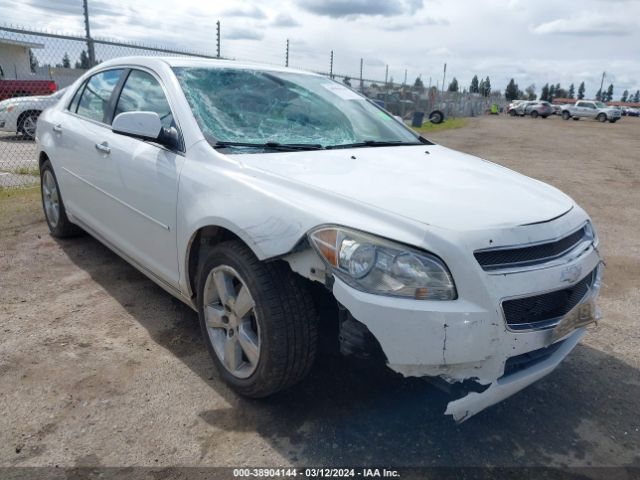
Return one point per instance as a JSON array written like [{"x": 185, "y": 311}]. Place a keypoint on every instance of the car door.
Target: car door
[
  {"x": 82, "y": 172},
  {"x": 143, "y": 186}
]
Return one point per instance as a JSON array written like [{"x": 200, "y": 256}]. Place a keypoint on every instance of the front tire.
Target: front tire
[
  {"x": 534, "y": 114},
  {"x": 601, "y": 117},
  {"x": 566, "y": 115},
  {"x": 53, "y": 206},
  {"x": 258, "y": 321}
]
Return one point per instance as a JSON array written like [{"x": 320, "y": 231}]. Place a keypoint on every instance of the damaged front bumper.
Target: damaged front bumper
[{"x": 465, "y": 340}]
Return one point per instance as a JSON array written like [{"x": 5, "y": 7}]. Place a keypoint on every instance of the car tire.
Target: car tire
[
  {"x": 436, "y": 117},
  {"x": 613, "y": 121},
  {"x": 534, "y": 114},
  {"x": 53, "y": 206},
  {"x": 512, "y": 113},
  {"x": 601, "y": 117},
  {"x": 544, "y": 116},
  {"x": 265, "y": 339},
  {"x": 27, "y": 124},
  {"x": 566, "y": 115},
  {"x": 576, "y": 118}
]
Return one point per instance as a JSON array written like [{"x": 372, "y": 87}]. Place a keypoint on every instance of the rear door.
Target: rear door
[{"x": 80, "y": 166}]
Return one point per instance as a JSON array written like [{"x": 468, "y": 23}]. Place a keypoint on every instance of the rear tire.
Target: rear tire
[
  {"x": 53, "y": 206},
  {"x": 436, "y": 117},
  {"x": 257, "y": 319},
  {"x": 27, "y": 124},
  {"x": 534, "y": 114}
]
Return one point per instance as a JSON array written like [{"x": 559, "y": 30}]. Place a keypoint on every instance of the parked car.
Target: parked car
[
  {"x": 591, "y": 109},
  {"x": 557, "y": 109},
  {"x": 516, "y": 108},
  {"x": 538, "y": 109},
  {"x": 631, "y": 112},
  {"x": 24, "y": 88},
  {"x": 281, "y": 205},
  {"x": 20, "y": 114}
]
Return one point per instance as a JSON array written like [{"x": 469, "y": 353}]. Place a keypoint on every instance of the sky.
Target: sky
[{"x": 532, "y": 41}]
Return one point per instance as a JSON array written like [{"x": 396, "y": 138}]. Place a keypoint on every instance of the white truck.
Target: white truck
[{"x": 591, "y": 109}]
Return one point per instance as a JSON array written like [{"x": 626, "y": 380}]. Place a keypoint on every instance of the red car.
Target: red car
[{"x": 26, "y": 88}]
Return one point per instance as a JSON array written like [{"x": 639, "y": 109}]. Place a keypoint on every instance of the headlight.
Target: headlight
[{"x": 380, "y": 266}]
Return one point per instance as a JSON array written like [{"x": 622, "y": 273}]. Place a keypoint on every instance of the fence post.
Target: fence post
[
  {"x": 331, "y": 65},
  {"x": 286, "y": 59},
  {"x": 218, "y": 37},
  {"x": 90, "y": 48}
]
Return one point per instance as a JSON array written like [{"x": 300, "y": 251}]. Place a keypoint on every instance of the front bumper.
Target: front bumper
[{"x": 468, "y": 339}]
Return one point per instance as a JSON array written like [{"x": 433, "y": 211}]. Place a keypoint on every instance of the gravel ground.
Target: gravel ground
[{"x": 99, "y": 367}]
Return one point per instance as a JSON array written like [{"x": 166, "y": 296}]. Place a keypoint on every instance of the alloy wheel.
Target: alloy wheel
[
  {"x": 232, "y": 323},
  {"x": 51, "y": 198}
]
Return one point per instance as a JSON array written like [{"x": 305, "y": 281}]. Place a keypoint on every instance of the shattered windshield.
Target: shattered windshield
[{"x": 245, "y": 108}]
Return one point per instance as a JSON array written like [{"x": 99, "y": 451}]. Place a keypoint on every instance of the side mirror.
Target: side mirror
[
  {"x": 144, "y": 125},
  {"x": 398, "y": 118}
]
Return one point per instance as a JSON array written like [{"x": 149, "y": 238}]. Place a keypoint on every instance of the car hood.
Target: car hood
[{"x": 430, "y": 184}]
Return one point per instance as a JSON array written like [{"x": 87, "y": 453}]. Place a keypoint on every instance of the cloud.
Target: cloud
[
  {"x": 353, "y": 8},
  {"x": 248, "y": 11},
  {"x": 239, "y": 33},
  {"x": 409, "y": 24},
  {"x": 584, "y": 25},
  {"x": 284, "y": 20}
]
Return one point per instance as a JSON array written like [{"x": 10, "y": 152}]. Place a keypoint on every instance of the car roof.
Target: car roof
[{"x": 156, "y": 61}]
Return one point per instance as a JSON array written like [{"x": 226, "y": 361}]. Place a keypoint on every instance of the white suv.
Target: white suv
[{"x": 281, "y": 205}]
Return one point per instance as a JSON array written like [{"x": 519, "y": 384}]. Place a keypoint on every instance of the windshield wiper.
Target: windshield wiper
[
  {"x": 288, "y": 147},
  {"x": 372, "y": 143}
]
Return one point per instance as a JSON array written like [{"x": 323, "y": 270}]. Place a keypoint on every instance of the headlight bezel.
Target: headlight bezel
[{"x": 324, "y": 242}]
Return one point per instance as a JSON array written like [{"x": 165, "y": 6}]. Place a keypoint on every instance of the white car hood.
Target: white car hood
[{"x": 443, "y": 187}]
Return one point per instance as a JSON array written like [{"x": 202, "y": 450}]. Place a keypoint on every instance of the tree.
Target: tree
[
  {"x": 453, "y": 86},
  {"x": 609, "y": 95},
  {"x": 636, "y": 97},
  {"x": 544, "y": 94},
  {"x": 347, "y": 81},
  {"x": 599, "y": 94},
  {"x": 572, "y": 91},
  {"x": 625, "y": 96},
  {"x": 530, "y": 92},
  {"x": 511, "y": 92},
  {"x": 33, "y": 61},
  {"x": 485, "y": 87},
  {"x": 581, "y": 91},
  {"x": 84, "y": 61},
  {"x": 66, "y": 62},
  {"x": 418, "y": 85},
  {"x": 474, "y": 87}
]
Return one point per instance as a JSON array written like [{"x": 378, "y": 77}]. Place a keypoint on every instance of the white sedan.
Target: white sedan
[
  {"x": 20, "y": 114},
  {"x": 281, "y": 206}
]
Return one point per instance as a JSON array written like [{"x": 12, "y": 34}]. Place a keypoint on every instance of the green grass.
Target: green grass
[
  {"x": 448, "y": 124},
  {"x": 33, "y": 171}
]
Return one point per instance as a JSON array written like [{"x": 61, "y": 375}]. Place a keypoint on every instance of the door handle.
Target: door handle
[
  {"x": 58, "y": 128},
  {"x": 103, "y": 147}
]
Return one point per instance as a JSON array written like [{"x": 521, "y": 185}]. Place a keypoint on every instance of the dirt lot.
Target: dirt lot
[{"x": 98, "y": 366}]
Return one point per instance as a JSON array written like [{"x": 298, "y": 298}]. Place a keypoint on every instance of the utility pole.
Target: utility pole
[
  {"x": 218, "y": 37},
  {"x": 90, "y": 50},
  {"x": 331, "y": 65},
  {"x": 602, "y": 84},
  {"x": 444, "y": 76},
  {"x": 405, "y": 77},
  {"x": 361, "y": 82},
  {"x": 286, "y": 58},
  {"x": 386, "y": 76}
]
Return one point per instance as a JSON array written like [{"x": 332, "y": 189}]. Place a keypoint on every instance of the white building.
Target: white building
[{"x": 14, "y": 59}]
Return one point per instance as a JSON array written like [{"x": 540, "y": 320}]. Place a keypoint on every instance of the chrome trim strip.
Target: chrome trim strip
[{"x": 157, "y": 222}]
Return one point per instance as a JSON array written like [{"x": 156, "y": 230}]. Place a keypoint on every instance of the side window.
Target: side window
[
  {"x": 73, "y": 105},
  {"x": 94, "y": 102},
  {"x": 143, "y": 93}
]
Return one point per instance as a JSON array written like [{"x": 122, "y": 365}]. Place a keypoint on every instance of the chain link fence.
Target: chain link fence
[{"x": 35, "y": 66}]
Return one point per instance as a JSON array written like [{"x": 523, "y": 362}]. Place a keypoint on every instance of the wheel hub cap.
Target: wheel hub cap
[{"x": 50, "y": 198}]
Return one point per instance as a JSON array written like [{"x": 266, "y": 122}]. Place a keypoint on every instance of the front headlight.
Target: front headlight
[{"x": 380, "y": 266}]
